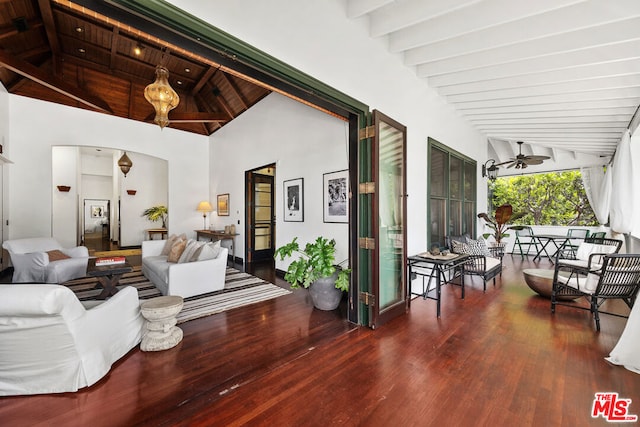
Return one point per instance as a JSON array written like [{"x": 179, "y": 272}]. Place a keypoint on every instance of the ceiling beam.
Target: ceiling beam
[
  {"x": 11, "y": 30},
  {"x": 52, "y": 34},
  {"x": 31, "y": 72}
]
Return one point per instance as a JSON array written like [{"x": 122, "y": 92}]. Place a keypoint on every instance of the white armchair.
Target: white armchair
[
  {"x": 49, "y": 342},
  {"x": 34, "y": 262}
]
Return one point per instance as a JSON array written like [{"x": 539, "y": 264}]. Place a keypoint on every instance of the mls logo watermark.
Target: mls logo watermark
[{"x": 612, "y": 408}]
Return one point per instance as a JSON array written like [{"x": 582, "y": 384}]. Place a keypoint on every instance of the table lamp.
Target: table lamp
[{"x": 204, "y": 207}]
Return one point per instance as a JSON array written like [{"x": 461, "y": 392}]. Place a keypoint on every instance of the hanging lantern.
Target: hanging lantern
[
  {"x": 125, "y": 164},
  {"x": 162, "y": 96}
]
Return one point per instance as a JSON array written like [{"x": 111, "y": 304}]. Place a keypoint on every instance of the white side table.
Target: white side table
[{"x": 161, "y": 330}]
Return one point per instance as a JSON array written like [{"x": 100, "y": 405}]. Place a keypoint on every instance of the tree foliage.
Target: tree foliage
[{"x": 555, "y": 198}]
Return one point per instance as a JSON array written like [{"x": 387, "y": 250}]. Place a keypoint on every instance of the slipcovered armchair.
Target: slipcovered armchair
[
  {"x": 44, "y": 260},
  {"x": 49, "y": 342}
]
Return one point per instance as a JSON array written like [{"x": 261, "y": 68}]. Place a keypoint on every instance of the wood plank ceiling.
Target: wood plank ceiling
[
  {"x": 557, "y": 74},
  {"x": 53, "y": 51}
]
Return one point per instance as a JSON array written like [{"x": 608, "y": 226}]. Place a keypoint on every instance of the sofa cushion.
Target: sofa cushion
[
  {"x": 56, "y": 255},
  {"x": 159, "y": 265},
  {"x": 176, "y": 250}
]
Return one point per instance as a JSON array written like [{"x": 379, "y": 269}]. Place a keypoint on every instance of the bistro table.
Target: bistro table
[
  {"x": 436, "y": 265},
  {"x": 558, "y": 241}
]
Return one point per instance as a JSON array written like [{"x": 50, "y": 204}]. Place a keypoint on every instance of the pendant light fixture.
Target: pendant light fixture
[
  {"x": 162, "y": 96},
  {"x": 125, "y": 164}
]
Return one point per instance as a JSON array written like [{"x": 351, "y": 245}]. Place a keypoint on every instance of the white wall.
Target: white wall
[
  {"x": 304, "y": 143},
  {"x": 36, "y": 126},
  {"x": 635, "y": 167},
  {"x": 317, "y": 38},
  {"x": 4, "y": 170}
]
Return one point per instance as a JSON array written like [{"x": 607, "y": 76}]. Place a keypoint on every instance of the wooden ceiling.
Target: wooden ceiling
[{"x": 57, "y": 52}]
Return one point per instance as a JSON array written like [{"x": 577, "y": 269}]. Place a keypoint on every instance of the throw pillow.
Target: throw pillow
[
  {"x": 209, "y": 251},
  {"x": 460, "y": 248},
  {"x": 170, "y": 241},
  {"x": 56, "y": 255},
  {"x": 176, "y": 251},
  {"x": 479, "y": 247},
  {"x": 192, "y": 246}
]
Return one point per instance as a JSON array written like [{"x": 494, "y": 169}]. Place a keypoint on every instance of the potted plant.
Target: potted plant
[
  {"x": 314, "y": 269},
  {"x": 157, "y": 213},
  {"x": 498, "y": 223}
]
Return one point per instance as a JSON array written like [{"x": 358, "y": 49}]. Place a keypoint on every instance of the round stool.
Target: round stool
[{"x": 161, "y": 330}]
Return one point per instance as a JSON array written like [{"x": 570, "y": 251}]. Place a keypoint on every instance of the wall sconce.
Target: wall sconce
[
  {"x": 204, "y": 207},
  {"x": 492, "y": 171},
  {"x": 131, "y": 192},
  {"x": 64, "y": 188},
  {"x": 125, "y": 164}
]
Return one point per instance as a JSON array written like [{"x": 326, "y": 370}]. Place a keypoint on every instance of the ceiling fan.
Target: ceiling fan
[{"x": 521, "y": 161}]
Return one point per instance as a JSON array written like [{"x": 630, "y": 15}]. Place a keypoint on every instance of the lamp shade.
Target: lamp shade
[
  {"x": 204, "y": 206},
  {"x": 162, "y": 96}
]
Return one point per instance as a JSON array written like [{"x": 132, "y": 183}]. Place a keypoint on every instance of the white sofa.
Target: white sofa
[
  {"x": 49, "y": 342},
  {"x": 182, "y": 278},
  {"x": 31, "y": 260}
]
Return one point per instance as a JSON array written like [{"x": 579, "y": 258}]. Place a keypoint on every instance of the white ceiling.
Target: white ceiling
[{"x": 556, "y": 74}]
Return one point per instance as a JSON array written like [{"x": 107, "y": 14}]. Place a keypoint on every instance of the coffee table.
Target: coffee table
[
  {"x": 108, "y": 276},
  {"x": 541, "y": 281}
]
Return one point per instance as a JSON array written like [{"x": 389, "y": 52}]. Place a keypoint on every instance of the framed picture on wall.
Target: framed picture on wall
[
  {"x": 97, "y": 211},
  {"x": 336, "y": 196},
  {"x": 294, "y": 200},
  {"x": 223, "y": 204}
]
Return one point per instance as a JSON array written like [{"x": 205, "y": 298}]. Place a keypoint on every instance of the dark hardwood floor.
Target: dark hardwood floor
[{"x": 494, "y": 358}]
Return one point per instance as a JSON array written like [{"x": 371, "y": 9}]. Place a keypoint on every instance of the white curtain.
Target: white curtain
[
  {"x": 621, "y": 213},
  {"x": 597, "y": 185}
]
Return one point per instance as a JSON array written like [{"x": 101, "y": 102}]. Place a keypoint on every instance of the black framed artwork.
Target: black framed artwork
[
  {"x": 335, "y": 196},
  {"x": 294, "y": 200}
]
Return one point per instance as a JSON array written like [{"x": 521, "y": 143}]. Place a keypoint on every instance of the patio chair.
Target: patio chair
[
  {"x": 589, "y": 254},
  {"x": 525, "y": 239},
  {"x": 617, "y": 278},
  {"x": 575, "y": 233},
  {"x": 598, "y": 234}
]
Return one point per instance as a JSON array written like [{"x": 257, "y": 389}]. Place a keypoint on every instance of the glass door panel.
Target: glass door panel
[
  {"x": 262, "y": 225},
  {"x": 391, "y": 246}
]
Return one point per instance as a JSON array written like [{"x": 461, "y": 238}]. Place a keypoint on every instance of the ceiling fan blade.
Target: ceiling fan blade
[
  {"x": 532, "y": 162},
  {"x": 512, "y": 165},
  {"x": 536, "y": 158},
  {"x": 504, "y": 163}
]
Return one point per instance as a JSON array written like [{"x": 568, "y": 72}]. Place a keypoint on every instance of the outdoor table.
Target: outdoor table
[
  {"x": 437, "y": 266},
  {"x": 558, "y": 241}
]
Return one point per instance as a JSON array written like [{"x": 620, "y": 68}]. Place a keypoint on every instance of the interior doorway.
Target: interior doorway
[
  {"x": 260, "y": 214},
  {"x": 96, "y": 225}
]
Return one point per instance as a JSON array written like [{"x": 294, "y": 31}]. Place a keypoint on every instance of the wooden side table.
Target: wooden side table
[
  {"x": 153, "y": 231},
  {"x": 161, "y": 330},
  {"x": 219, "y": 235}
]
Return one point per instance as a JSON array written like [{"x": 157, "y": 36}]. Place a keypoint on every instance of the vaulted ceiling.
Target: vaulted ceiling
[
  {"x": 58, "y": 52},
  {"x": 557, "y": 74}
]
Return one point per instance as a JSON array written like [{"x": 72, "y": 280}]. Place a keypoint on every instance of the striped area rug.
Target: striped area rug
[{"x": 240, "y": 289}]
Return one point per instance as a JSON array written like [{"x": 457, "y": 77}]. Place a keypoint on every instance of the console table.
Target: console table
[
  {"x": 161, "y": 231},
  {"x": 219, "y": 235}
]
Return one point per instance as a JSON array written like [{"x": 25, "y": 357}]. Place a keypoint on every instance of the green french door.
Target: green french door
[{"x": 388, "y": 296}]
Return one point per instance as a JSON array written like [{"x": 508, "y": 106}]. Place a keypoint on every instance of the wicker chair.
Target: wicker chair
[
  {"x": 486, "y": 266},
  {"x": 618, "y": 277},
  {"x": 589, "y": 254}
]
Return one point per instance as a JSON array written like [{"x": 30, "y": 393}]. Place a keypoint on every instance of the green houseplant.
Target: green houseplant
[
  {"x": 157, "y": 213},
  {"x": 315, "y": 269},
  {"x": 499, "y": 222}
]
